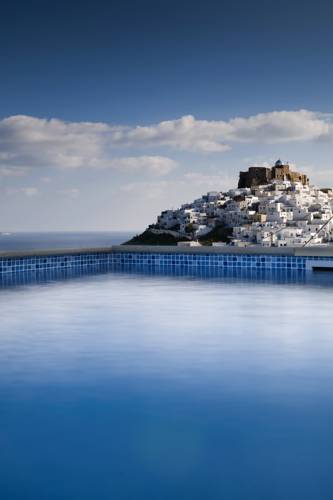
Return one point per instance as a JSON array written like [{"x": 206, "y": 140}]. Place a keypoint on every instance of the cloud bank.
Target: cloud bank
[
  {"x": 29, "y": 142},
  {"x": 190, "y": 134}
]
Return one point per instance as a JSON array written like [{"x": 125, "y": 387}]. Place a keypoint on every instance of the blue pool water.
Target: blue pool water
[{"x": 130, "y": 385}]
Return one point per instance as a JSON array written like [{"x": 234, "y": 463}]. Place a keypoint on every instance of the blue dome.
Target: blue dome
[{"x": 278, "y": 163}]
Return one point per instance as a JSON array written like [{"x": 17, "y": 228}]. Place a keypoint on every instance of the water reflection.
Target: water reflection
[{"x": 136, "y": 383}]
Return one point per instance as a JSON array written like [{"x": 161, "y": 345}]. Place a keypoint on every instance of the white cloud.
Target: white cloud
[
  {"x": 282, "y": 126},
  {"x": 27, "y": 141},
  {"x": 194, "y": 183},
  {"x": 28, "y": 191},
  {"x": 186, "y": 133},
  {"x": 70, "y": 192},
  {"x": 158, "y": 165},
  {"x": 12, "y": 172},
  {"x": 149, "y": 189},
  {"x": 33, "y": 142},
  {"x": 209, "y": 181},
  {"x": 190, "y": 134}
]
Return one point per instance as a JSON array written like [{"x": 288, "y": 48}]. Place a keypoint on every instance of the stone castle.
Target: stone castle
[{"x": 256, "y": 176}]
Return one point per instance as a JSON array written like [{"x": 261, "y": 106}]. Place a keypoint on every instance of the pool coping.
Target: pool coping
[
  {"x": 250, "y": 250},
  {"x": 54, "y": 252}
]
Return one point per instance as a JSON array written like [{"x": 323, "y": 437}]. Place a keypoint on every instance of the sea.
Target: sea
[{"x": 48, "y": 240}]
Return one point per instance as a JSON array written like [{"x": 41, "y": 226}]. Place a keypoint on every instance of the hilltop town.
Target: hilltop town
[{"x": 270, "y": 207}]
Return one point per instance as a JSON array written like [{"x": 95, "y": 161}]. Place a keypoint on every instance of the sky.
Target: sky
[{"x": 113, "y": 111}]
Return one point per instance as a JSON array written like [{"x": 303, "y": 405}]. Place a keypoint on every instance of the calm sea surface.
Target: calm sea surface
[
  {"x": 128, "y": 385},
  {"x": 33, "y": 241}
]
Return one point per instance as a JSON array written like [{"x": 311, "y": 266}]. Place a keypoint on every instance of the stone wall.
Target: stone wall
[{"x": 256, "y": 176}]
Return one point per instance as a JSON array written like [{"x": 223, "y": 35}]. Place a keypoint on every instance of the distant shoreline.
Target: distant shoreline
[{"x": 21, "y": 241}]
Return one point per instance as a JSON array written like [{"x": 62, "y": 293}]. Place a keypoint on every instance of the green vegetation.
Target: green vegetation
[
  {"x": 150, "y": 238},
  {"x": 218, "y": 233},
  {"x": 189, "y": 228}
]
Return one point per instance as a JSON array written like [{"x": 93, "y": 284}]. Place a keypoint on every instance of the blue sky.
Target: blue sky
[{"x": 113, "y": 111}]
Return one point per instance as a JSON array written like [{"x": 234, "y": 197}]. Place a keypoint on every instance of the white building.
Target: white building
[{"x": 282, "y": 213}]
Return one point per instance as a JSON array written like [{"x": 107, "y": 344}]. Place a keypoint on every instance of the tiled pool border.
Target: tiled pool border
[{"x": 166, "y": 257}]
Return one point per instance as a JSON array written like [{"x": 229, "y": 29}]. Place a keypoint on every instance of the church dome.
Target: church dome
[{"x": 278, "y": 163}]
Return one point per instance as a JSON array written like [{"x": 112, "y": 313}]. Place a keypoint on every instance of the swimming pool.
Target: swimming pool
[{"x": 131, "y": 384}]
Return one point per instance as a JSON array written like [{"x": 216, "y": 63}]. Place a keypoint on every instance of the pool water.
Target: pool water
[{"x": 129, "y": 385}]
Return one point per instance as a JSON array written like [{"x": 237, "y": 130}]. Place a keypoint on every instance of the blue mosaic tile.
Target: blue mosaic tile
[{"x": 158, "y": 261}]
